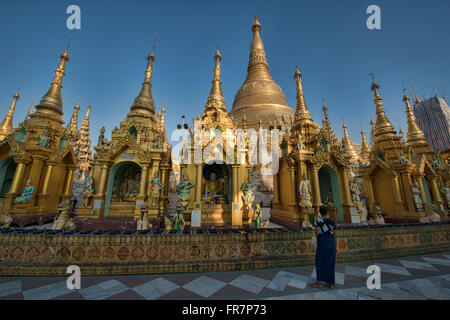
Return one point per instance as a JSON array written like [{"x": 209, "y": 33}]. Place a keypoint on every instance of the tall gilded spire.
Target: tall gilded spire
[
  {"x": 348, "y": 146},
  {"x": 82, "y": 146},
  {"x": 365, "y": 149},
  {"x": 215, "y": 98},
  {"x": 325, "y": 121},
  {"x": 52, "y": 100},
  {"x": 6, "y": 127},
  {"x": 415, "y": 137},
  {"x": 144, "y": 101},
  {"x": 259, "y": 96},
  {"x": 30, "y": 111},
  {"x": 88, "y": 112},
  {"x": 258, "y": 68},
  {"x": 301, "y": 111}
]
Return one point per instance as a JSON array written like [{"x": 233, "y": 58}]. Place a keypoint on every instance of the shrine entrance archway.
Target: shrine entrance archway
[
  {"x": 328, "y": 181},
  {"x": 123, "y": 183}
]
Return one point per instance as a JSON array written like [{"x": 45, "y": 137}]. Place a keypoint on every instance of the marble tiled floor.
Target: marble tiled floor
[{"x": 407, "y": 278}]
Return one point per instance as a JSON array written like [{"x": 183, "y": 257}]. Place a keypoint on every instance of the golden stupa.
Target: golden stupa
[{"x": 260, "y": 97}]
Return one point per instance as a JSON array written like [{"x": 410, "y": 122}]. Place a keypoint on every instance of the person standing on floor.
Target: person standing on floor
[{"x": 325, "y": 231}]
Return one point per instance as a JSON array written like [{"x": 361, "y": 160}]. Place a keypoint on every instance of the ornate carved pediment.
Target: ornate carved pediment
[
  {"x": 422, "y": 164},
  {"x": 377, "y": 163},
  {"x": 322, "y": 158},
  {"x": 17, "y": 148},
  {"x": 61, "y": 153}
]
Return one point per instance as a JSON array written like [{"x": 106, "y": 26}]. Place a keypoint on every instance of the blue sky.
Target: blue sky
[{"x": 335, "y": 52}]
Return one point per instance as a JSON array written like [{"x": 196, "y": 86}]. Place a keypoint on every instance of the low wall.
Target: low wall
[{"x": 49, "y": 253}]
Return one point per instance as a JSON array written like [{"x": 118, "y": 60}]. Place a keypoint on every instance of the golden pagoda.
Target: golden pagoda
[
  {"x": 37, "y": 160},
  {"x": 348, "y": 146},
  {"x": 399, "y": 177},
  {"x": 365, "y": 148},
  {"x": 314, "y": 170},
  {"x": 6, "y": 127},
  {"x": 133, "y": 167},
  {"x": 216, "y": 173},
  {"x": 260, "y": 97}
]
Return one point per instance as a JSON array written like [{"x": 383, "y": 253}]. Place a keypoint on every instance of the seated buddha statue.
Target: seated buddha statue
[
  {"x": 213, "y": 188},
  {"x": 27, "y": 194}
]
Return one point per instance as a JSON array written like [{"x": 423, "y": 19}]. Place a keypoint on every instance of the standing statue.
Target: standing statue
[
  {"x": 156, "y": 187},
  {"x": 305, "y": 193},
  {"x": 27, "y": 194},
  {"x": 183, "y": 190},
  {"x": 88, "y": 190},
  {"x": 142, "y": 223},
  {"x": 355, "y": 191},
  {"x": 446, "y": 192},
  {"x": 63, "y": 220},
  {"x": 249, "y": 193},
  {"x": 418, "y": 203},
  {"x": 78, "y": 185},
  {"x": 178, "y": 222},
  {"x": 257, "y": 216}
]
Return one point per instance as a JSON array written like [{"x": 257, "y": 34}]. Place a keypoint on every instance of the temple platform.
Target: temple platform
[{"x": 108, "y": 252}]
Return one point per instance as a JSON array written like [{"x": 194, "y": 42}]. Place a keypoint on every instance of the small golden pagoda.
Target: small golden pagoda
[
  {"x": 72, "y": 126},
  {"x": 365, "y": 148},
  {"x": 37, "y": 161},
  {"x": 399, "y": 177},
  {"x": 348, "y": 146},
  {"x": 133, "y": 167},
  {"x": 6, "y": 127},
  {"x": 314, "y": 170},
  {"x": 217, "y": 177}
]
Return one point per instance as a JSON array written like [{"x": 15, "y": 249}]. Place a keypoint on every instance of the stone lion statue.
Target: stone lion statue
[
  {"x": 5, "y": 218},
  {"x": 431, "y": 214},
  {"x": 377, "y": 216},
  {"x": 63, "y": 221}
]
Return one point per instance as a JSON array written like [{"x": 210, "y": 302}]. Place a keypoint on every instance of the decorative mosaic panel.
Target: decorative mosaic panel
[{"x": 22, "y": 254}]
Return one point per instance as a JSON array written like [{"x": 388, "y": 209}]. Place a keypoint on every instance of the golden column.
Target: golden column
[
  {"x": 17, "y": 179},
  {"x": 276, "y": 189},
  {"x": 36, "y": 169},
  {"x": 69, "y": 182},
  {"x": 316, "y": 188},
  {"x": 399, "y": 205},
  {"x": 293, "y": 186},
  {"x": 164, "y": 181},
  {"x": 436, "y": 195},
  {"x": 143, "y": 182},
  {"x": 422, "y": 189},
  {"x": 48, "y": 175},
  {"x": 348, "y": 198},
  {"x": 236, "y": 213},
  {"x": 102, "y": 182},
  {"x": 198, "y": 183}
]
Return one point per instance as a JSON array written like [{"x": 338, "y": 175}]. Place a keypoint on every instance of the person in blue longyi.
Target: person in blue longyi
[{"x": 325, "y": 230}]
